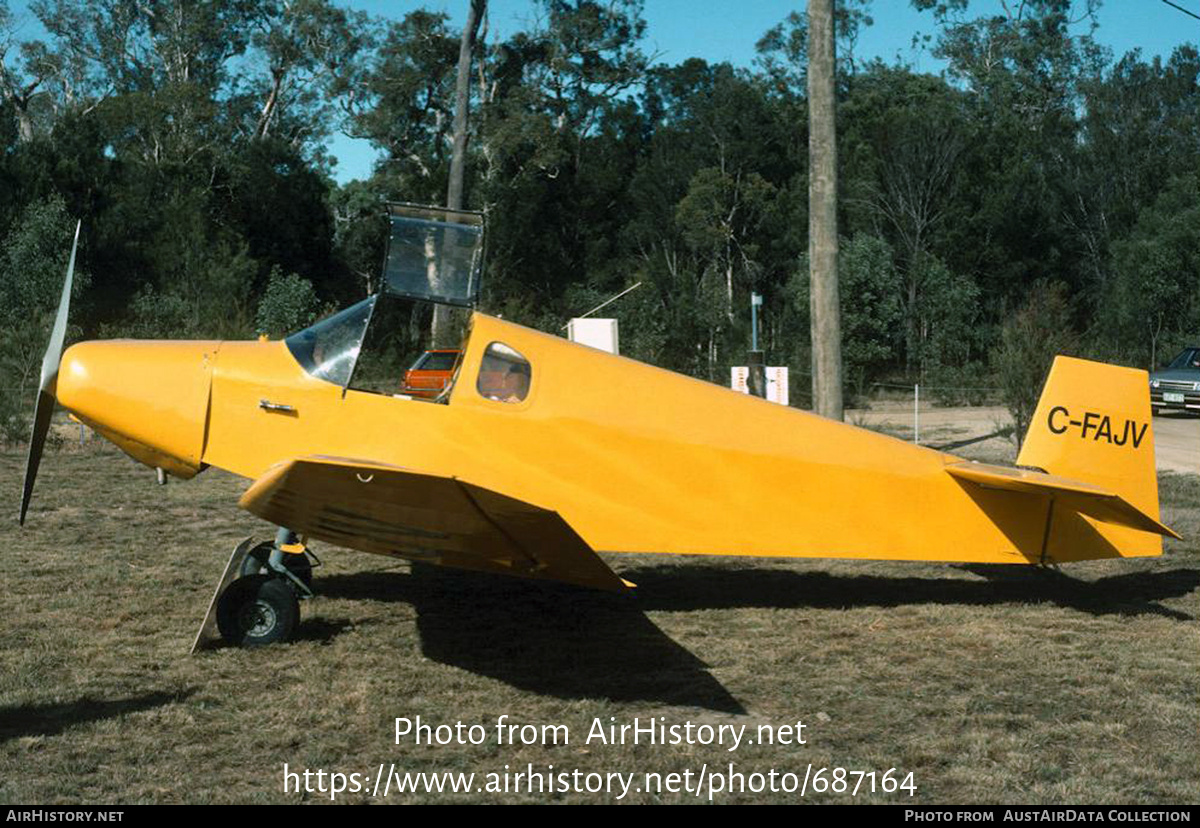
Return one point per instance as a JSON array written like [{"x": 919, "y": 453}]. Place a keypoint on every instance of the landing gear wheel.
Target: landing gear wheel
[
  {"x": 298, "y": 565},
  {"x": 257, "y": 610}
]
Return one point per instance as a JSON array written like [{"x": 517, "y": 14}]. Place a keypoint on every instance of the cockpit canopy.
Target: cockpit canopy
[
  {"x": 336, "y": 348},
  {"x": 434, "y": 254}
]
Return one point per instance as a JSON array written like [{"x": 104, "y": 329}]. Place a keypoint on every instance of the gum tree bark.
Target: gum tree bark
[{"x": 462, "y": 102}]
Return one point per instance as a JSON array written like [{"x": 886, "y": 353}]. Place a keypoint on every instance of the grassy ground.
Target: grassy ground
[{"x": 988, "y": 684}]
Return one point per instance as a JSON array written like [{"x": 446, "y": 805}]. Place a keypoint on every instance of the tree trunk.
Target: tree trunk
[
  {"x": 24, "y": 126},
  {"x": 458, "y": 159},
  {"x": 19, "y": 101},
  {"x": 822, "y": 214},
  {"x": 263, "y": 127}
]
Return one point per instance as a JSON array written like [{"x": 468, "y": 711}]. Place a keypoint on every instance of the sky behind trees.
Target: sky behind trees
[{"x": 719, "y": 31}]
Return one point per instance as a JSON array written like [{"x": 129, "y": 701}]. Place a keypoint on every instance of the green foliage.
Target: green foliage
[
  {"x": 946, "y": 314},
  {"x": 1029, "y": 341},
  {"x": 33, "y": 260},
  {"x": 783, "y": 49},
  {"x": 718, "y": 219},
  {"x": 33, "y": 264},
  {"x": 1154, "y": 296},
  {"x": 871, "y": 310},
  {"x": 159, "y": 315},
  {"x": 15, "y": 420},
  {"x": 288, "y": 304},
  {"x": 968, "y": 384},
  {"x": 207, "y": 295},
  {"x": 645, "y": 328},
  {"x": 869, "y": 289},
  {"x": 404, "y": 105}
]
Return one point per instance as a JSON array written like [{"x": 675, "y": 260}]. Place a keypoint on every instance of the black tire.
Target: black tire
[
  {"x": 256, "y": 564},
  {"x": 257, "y": 610}
]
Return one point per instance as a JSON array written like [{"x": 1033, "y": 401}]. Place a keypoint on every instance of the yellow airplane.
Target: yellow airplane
[{"x": 543, "y": 452}]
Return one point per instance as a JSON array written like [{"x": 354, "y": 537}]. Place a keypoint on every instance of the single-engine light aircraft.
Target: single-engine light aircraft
[{"x": 540, "y": 452}]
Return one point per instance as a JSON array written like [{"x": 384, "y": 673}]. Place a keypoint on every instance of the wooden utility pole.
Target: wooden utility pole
[
  {"x": 824, "y": 307},
  {"x": 458, "y": 158}
]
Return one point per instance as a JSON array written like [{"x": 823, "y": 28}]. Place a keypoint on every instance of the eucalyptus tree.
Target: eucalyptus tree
[
  {"x": 404, "y": 104},
  {"x": 304, "y": 56},
  {"x": 26, "y": 70},
  {"x": 1138, "y": 131},
  {"x": 1023, "y": 68},
  {"x": 556, "y": 137},
  {"x": 476, "y": 10},
  {"x": 1154, "y": 295},
  {"x": 183, "y": 129}
]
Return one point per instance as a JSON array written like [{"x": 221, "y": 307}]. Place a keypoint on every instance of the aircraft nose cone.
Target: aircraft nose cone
[
  {"x": 75, "y": 373},
  {"x": 148, "y": 397}
]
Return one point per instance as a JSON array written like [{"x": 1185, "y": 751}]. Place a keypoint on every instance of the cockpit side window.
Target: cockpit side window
[
  {"x": 504, "y": 374},
  {"x": 329, "y": 349}
]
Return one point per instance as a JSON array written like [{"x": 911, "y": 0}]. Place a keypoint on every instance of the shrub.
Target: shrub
[
  {"x": 1029, "y": 341},
  {"x": 289, "y": 304}
]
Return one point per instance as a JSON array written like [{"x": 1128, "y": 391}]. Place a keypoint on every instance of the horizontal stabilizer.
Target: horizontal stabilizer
[
  {"x": 1085, "y": 498},
  {"x": 390, "y": 510}
]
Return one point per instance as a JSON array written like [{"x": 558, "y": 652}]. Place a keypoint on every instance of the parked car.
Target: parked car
[
  {"x": 431, "y": 373},
  {"x": 1177, "y": 387}
]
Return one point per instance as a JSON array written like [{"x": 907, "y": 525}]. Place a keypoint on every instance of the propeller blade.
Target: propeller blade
[
  {"x": 45, "y": 400},
  {"x": 41, "y": 425}
]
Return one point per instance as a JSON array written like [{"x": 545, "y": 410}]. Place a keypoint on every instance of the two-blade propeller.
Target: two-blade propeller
[{"x": 46, "y": 388}]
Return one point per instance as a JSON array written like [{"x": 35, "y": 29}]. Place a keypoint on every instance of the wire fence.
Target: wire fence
[
  {"x": 925, "y": 397},
  {"x": 929, "y": 387}
]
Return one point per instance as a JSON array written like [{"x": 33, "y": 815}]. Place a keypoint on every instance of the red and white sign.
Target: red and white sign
[{"x": 777, "y": 382}]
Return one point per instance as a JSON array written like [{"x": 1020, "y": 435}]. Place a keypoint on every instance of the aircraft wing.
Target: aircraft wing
[
  {"x": 1085, "y": 498},
  {"x": 374, "y": 507}
]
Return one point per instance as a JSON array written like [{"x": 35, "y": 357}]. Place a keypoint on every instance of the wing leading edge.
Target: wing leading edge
[{"x": 389, "y": 510}]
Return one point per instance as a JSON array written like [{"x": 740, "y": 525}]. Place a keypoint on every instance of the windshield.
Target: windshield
[
  {"x": 329, "y": 349},
  {"x": 437, "y": 361},
  {"x": 1190, "y": 358}
]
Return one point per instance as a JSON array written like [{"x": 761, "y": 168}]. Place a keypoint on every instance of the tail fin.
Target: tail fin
[{"x": 1093, "y": 424}]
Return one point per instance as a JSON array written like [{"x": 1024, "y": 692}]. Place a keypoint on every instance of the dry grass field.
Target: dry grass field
[{"x": 990, "y": 685}]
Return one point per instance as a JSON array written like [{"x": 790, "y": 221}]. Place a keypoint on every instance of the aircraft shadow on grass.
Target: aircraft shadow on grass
[
  {"x": 547, "y": 639},
  {"x": 694, "y": 587},
  {"x": 576, "y": 643},
  {"x": 52, "y": 719}
]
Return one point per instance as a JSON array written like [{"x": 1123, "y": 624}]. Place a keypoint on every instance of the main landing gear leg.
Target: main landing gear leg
[
  {"x": 286, "y": 558},
  {"x": 256, "y": 601}
]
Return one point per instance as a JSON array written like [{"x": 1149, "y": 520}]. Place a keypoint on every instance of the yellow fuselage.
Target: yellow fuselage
[{"x": 634, "y": 458}]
